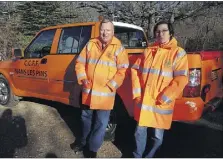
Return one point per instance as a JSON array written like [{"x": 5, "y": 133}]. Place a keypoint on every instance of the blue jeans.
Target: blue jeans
[
  {"x": 97, "y": 133},
  {"x": 141, "y": 141}
]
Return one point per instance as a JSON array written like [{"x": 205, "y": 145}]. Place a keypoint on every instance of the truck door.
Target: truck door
[
  {"x": 62, "y": 77},
  {"x": 30, "y": 73}
]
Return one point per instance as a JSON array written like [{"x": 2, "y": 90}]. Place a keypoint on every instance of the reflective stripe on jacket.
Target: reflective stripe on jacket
[
  {"x": 105, "y": 69},
  {"x": 158, "y": 80}
]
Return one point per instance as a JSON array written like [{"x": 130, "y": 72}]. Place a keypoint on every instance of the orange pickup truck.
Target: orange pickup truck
[{"x": 45, "y": 69}]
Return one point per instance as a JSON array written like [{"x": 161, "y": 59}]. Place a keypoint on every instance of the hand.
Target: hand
[
  {"x": 158, "y": 103},
  {"x": 137, "y": 100},
  {"x": 85, "y": 82}
]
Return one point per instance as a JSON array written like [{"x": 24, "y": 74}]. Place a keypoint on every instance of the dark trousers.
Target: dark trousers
[
  {"x": 97, "y": 132},
  {"x": 141, "y": 141}
]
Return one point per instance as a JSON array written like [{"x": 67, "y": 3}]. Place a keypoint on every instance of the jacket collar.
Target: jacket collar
[
  {"x": 171, "y": 44},
  {"x": 114, "y": 41}
]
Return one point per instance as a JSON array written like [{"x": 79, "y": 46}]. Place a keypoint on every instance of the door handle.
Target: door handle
[{"x": 43, "y": 61}]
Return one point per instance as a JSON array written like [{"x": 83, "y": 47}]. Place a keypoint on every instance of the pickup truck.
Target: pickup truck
[{"x": 45, "y": 70}]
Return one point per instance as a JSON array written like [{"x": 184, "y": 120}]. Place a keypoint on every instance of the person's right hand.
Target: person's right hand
[
  {"x": 137, "y": 100},
  {"x": 85, "y": 82}
]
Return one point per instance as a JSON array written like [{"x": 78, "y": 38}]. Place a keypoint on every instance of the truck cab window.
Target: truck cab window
[
  {"x": 41, "y": 45},
  {"x": 73, "y": 39},
  {"x": 131, "y": 38}
]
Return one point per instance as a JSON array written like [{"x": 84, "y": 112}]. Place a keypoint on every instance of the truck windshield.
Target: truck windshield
[{"x": 130, "y": 37}]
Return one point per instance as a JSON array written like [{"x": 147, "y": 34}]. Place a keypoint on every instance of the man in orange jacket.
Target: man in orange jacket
[
  {"x": 100, "y": 69},
  {"x": 158, "y": 77}
]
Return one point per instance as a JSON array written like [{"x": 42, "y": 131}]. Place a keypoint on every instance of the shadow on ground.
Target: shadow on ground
[
  {"x": 182, "y": 140},
  {"x": 124, "y": 138},
  {"x": 12, "y": 133},
  {"x": 194, "y": 140},
  {"x": 51, "y": 155}
]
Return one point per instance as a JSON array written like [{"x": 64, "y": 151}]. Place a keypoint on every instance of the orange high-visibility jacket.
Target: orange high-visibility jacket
[
  {"x": 158, "y": 80},
  {"x": 104, "y": 69}
]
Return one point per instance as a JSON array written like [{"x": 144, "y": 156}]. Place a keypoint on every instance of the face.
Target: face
[
  {"x": 106, "y": 32},
  {"x": 162, "y": 34}
]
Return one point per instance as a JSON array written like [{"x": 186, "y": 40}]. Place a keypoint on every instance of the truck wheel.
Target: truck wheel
[
  {"x": 111, "y": 127},
  {"x": 119, "y": 115},
  {"x": 7, "y": 98}
]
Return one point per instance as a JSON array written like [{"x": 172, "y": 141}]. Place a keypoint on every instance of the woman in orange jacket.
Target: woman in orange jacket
[{"x": 158, "y": 77}]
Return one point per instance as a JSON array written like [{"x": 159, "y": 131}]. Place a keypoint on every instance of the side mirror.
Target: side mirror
[
  {"x": 17, "y": 52},
  {"x": 144, "y": 44}
]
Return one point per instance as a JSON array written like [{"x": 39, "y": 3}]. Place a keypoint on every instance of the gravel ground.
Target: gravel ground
[{"x": 38, "y": 128}]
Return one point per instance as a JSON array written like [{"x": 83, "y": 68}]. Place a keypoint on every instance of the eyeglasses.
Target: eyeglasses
[{"x": 161, "y": 31}]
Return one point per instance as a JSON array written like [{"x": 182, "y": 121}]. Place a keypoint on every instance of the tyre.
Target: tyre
[
  {"x": 7, "y": 98},
  {"x": 111, "y": 127},
  {"x": 118, "y": 117}
]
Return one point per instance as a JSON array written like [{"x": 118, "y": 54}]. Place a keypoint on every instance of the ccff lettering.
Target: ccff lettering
[{"x": 31, "y": 63}]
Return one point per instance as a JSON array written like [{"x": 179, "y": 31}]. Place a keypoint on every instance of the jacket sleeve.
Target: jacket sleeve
[
  {"x": 136, "y": 86},
  {"x": 80, "y": 64},
  {"x": 122, "y": 62},
  {"x": 180, "y": 79}
]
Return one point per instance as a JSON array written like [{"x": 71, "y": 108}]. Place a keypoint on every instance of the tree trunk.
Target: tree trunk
[
  {"x": 151, "y": 24},
  {"x": 5, "y": 48}
]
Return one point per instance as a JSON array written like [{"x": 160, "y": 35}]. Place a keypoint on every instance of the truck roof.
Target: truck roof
[
  {"x": 120, "y": 24},
  {"x": 68, "y": 25}
]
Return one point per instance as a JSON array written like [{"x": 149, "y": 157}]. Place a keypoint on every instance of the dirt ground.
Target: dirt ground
[
  {"x": 36, "y": 130},
  {"x": 42, "y": 129}
]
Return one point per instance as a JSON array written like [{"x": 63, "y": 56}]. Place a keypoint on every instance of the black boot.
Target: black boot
[
  {"x": 92, "y": 154},
  {"x": 78, "y": 148}
]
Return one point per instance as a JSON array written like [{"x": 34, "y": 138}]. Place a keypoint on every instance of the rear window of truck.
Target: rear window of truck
[{"x": 130, "y": 37}]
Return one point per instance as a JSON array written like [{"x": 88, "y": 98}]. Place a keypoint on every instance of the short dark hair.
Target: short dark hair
[
  {"x": 105, "y": 21},
  {"x": 170, "y": 28}
]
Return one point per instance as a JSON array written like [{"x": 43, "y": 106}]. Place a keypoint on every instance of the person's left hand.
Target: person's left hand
[{"x": 158, "y": 102}]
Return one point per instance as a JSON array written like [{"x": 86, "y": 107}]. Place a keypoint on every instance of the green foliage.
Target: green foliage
[
  {"x": 36, "y": 15},
  {"x": 24, "y": 40}
]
